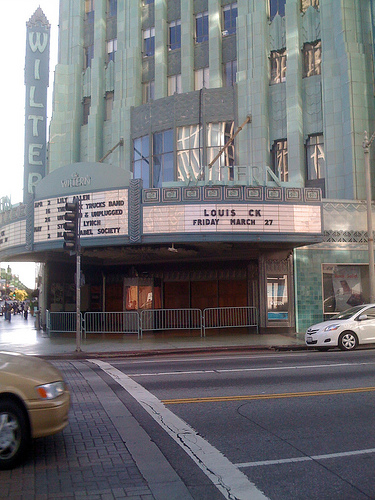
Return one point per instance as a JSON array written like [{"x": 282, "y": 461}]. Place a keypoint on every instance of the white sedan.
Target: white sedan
[{"x": 345, "y": 330}]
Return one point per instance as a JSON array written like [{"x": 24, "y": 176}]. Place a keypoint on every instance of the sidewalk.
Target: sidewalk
[{"x": 20, "y": 335}]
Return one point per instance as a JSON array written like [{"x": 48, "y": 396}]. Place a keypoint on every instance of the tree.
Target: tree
[{"x": 20, "y": 295}]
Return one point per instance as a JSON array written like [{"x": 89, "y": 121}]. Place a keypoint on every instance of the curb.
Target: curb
[{"x": 160, "y": 352}]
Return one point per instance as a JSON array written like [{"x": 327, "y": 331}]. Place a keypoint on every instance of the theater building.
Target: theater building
[{"x": 216, "y": 151}]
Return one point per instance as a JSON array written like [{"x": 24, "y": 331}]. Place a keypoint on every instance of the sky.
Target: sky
[{"x": 12, "y": 90}]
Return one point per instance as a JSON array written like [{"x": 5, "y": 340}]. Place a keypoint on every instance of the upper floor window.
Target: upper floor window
[
  {"x": 278, "y": 66},
  {"x": 88, "y": 56},
  {"x": 279, "y": 159},
  {"x": 162, "y": 158},
  {"x": 111, "y": 49},
  {"x": 148, "y": 91},
  {"x": 141, "y": 160},
  {"x": 218, "y": 134},
  {"x": 229, "y": 19},
  {"x": 111, "y": 8},
  {"x": 89, "y": 11},
  {"x": 174, "y": 35},
  {"x": 277, "y": 7},
  {"x": 305, "y": 4},
  {"x": 148, "y": 42},
  {"x": 316, "y": 164},
  {"x": 201, "y": 27},
  {"x": 147, "y": 2},
  {"x": 312, "y": 58},
  {"x": 108, "y": 105},
  {"x": 174, "y": 84},
  {"x": 202, "y": 78},
  {"x": 86, "y": 104},
  {"x": 230, "y": 72},
  {"x": 189, "y": 147}
]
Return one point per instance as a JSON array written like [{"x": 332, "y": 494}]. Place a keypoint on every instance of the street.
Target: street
[{"x": 248, "y": 425}]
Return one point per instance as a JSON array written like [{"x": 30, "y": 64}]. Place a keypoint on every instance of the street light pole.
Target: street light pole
[{"x": 366, "y": 150}]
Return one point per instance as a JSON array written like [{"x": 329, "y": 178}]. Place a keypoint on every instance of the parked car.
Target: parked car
[
  {"x": 34, "y": 402},
  {"x": 345, "y": 330}
]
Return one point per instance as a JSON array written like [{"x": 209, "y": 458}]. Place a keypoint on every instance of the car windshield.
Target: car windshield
[{"x": 348, "y": 313}]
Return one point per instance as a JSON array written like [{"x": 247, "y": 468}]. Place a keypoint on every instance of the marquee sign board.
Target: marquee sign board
[
  {"x": 103, "y": 213},
  {"x": 12, "y": 235},
  {"x": 232, "y": 218}
]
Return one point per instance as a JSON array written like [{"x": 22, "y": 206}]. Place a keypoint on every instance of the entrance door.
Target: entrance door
[
  {"x": 114, "y": 297},
  {"x": 204, "y": 294}
]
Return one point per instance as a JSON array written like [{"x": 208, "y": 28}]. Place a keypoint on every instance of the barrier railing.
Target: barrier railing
[
  {"x": 171, "y": 319},
  {"x": 62, "y": 322},
  {"x": 153, "y": 320},
  {"x": 112, "y": 322},
  {"x": 229, "y": 317}
]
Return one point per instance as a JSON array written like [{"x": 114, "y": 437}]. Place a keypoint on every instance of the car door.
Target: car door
[{"x": 366, "y": 327}]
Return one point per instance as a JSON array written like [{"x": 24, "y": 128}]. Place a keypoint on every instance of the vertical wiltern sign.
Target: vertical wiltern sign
[{"x": 36, "y": 81}]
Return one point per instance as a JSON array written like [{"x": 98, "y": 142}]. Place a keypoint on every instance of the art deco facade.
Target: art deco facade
[{"x": 147, "y": 96}]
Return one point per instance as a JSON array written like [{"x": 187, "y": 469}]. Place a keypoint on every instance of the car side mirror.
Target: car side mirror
[{"x": 362, "y": 317}]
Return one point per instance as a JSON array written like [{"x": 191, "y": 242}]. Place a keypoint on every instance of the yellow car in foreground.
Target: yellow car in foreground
[{"x": 34, "y": 402}]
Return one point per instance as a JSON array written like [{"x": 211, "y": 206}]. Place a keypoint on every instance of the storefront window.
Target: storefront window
[
  {"x": 344, "y": 286},
  {"x": 143, "y": 297},
  {"x": 277, "y": 298}
]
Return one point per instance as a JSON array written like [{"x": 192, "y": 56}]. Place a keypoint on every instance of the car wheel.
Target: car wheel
[
  {"x": 14, "y": 434},
  {"x": 348, "y": 341},
  {"x": 323, "y": 349}
]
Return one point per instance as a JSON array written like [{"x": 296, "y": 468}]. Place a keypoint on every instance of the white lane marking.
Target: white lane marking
[
  {"x": 306, "y": 459},
  {"x": 231, "y": 482},
  {"x": 234, "y": 370}
]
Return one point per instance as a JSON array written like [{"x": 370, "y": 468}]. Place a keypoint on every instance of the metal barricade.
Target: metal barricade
[
  {"x": 62, "y": 322},
  {"x": 170, "y": 319},
  {"x": 230, "y": 317},
  {"x": 112, "y": 322}
]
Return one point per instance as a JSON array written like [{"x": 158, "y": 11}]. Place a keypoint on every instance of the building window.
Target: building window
[
  {"x": 111, "y": 49},
  {"x": 174, "y": 35},
  {"x": 148, "y": 91},
  {"x": 202, "y": 78},
  {"x": 108, "y": 105},
  {"x": 86, "y": 103},
  {"x": 230, "y": 72},
  {"x": 218, "y": 134},
  {"x": 278, "y": 66},
  {"x": 148, "y": 2},
  {"x": 229, "y": 19},
  {"x": 89, "y": 11},
  {"x": 111, "y": 8},
  {"x": 162, "y": 158},
  {"x": 277, "y": 298},
  {"x": 305, "y": 4},
  {"x": 141, "y": 161},
  {"x": 316, "y": 163},
  {"x": 189, "y": 152},
  {"x": 148, "y": 42},
  {"x": 279, "y": 158},
  {"x": 174, "y": 84},
  {"x": 201, "y": 27},
  {"x": 88, "y": 56},
  {"x": 277, "y": 7},
  {"x": 312, "y": 59}
]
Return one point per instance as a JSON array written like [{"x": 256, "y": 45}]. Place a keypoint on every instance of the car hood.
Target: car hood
[
  {"x": 324, "y": 324},
  {"x": 33, "y": 369}
]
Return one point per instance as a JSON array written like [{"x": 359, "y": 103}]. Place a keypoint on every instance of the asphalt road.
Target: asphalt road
[
  {"x": 293, "y": 425},
  {"x": 279, "y": 426}
]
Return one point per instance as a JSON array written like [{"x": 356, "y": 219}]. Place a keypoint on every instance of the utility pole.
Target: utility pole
[{"x": 366, "y": 150}]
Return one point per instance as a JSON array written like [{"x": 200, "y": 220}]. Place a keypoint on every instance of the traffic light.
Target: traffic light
[{"x": 71, "y": 226}]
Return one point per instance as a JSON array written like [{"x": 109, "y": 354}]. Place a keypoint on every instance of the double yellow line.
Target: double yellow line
[{"x": 220, "y": 399}]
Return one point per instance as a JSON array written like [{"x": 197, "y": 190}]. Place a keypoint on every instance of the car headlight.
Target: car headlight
[
  {"x": 50, "y": 391},
  {"x": 331, "y": 327}
]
